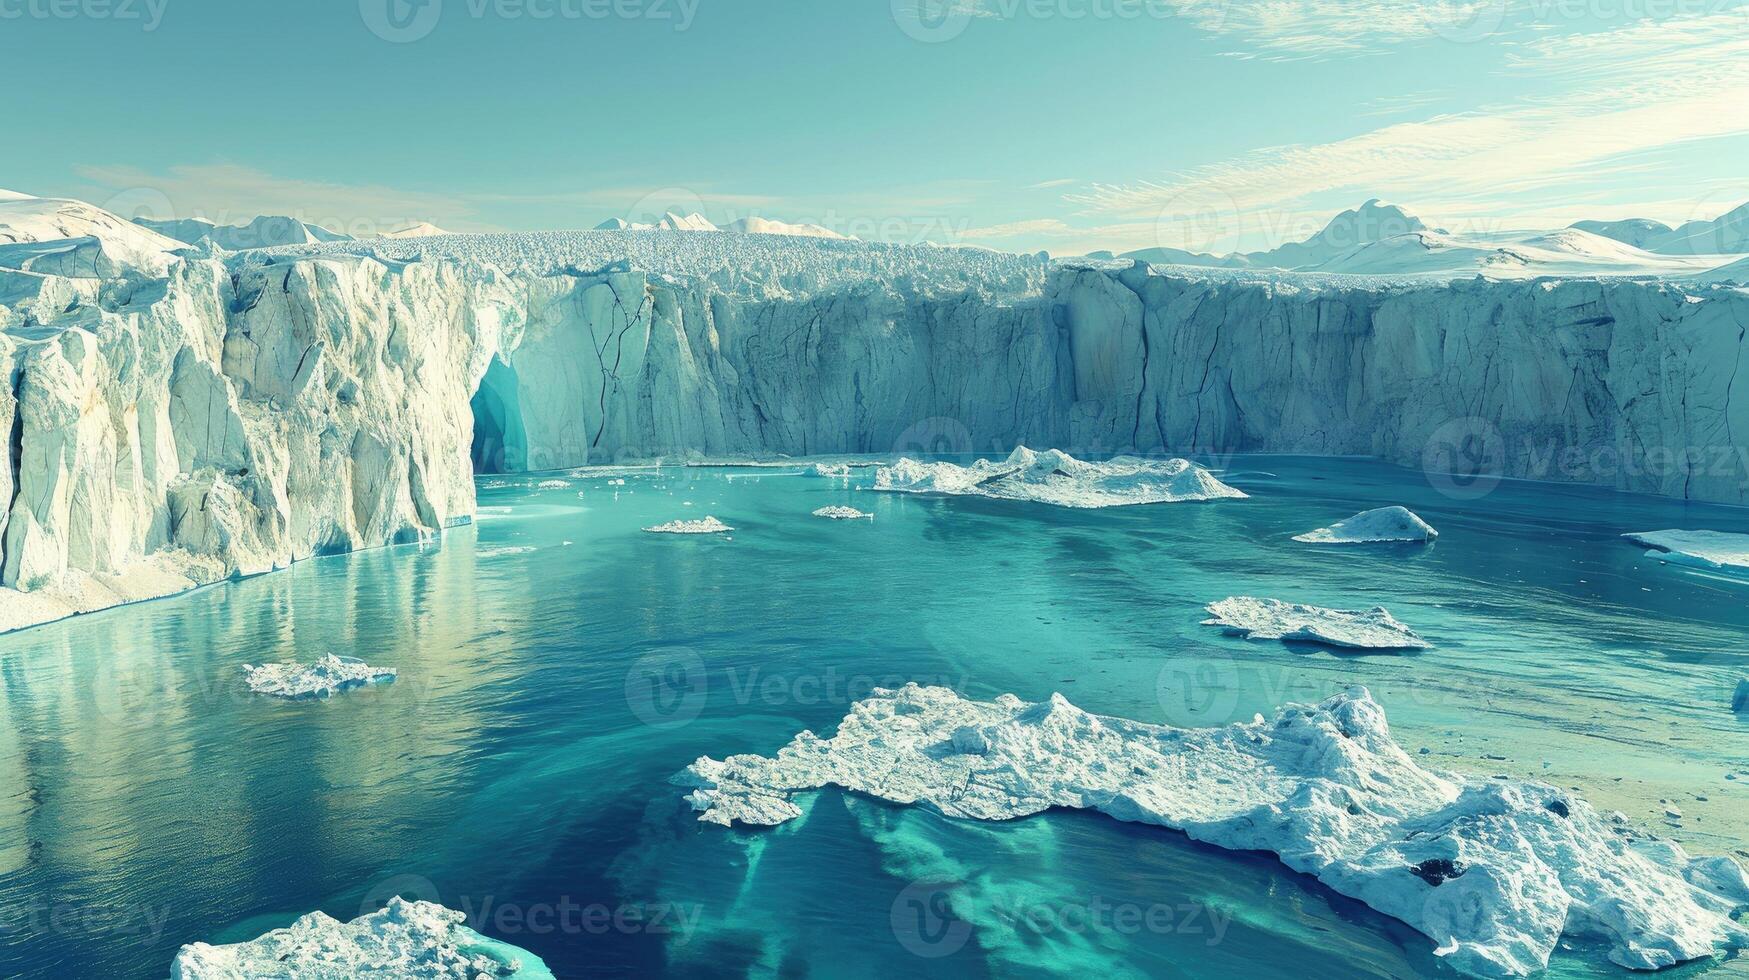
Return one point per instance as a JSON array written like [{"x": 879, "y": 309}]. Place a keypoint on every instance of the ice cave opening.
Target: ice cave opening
[{"x": 500, "y": 445}]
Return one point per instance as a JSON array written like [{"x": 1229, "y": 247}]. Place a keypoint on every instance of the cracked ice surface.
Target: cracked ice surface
[
  {"x": 410, "y": 940},
  {"x": 1053, "y": 477},
  {"x": 1495, "y": 872},
  {"x": 1272, "y": 619},
  {"x": 1386, "y": 524},
  {"x": 1705, "y": 549},
  {"x": 708, "y": 525},
  {"x": 327, "y": 676}
]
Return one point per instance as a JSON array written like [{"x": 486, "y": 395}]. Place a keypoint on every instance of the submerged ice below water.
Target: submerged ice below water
[{"x": 517, "y": 770}]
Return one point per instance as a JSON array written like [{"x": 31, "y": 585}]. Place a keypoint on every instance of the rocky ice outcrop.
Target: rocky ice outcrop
[
  {"x": 1721, "y": 550},
  {"x": 324, "y": 678},
  {"x": 1054, "y": 477},
  {"x": 404, "y": 940},
  {"x": 708, "y": 525},
  {"x": 229, "y": 415},
  {"x": 843, "y": 514},
  {"x": 1493, "y": 871},
  {"x": 1382, "y": 526},
  {"x": 1272, "y": 619}
]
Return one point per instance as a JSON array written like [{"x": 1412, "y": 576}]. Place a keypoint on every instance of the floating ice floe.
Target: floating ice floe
[
  {"x": 1385, "y": 525},
  {"x": 404, "y": 940},
  {"x": 1272, "y": 619},
  {"x": 327, "y": 676},
  {"x": 505, "y": 551},
  {"x": 837, "y": 471},
  {"x": 553, "y": 485},
  {"x": 1494, "y": 871},
  {"x": 709, "y": 525},
  {"x": 1719, "y": 550},
  {"x": 843, "y": 514},
  {"x": 1054, "y": 477}
]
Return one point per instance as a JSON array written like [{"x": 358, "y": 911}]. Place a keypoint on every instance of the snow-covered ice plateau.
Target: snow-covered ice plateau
[
  {"x": 1381, "y": 526},
  {"x": 1272, "y": 619},
  {"x": 404, "y": 941},
  {"x": 1493, "y": 871},
  {"x": 1053, "y": 477},
  {"x": 1704, "y": 549}
]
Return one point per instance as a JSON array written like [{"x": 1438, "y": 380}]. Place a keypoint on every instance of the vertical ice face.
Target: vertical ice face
[{"x": 231, "y": 415}]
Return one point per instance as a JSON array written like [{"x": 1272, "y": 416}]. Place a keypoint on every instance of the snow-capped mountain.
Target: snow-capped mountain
[
  {"x": 1728, "y": 234},
  {"x": 767, "y": 226},
  {"x": 419, "y": 229},
  {"x": 70, "y": 237},
  {"x": 263, "y": 232},
  {"x": 668, "y": 222},
  {"x": 1371, "y": 222}
]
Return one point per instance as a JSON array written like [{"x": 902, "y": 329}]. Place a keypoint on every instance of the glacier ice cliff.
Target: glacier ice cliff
[
  {"x": 197, "y": 417},
  {"x": 1495, "y": 872}
]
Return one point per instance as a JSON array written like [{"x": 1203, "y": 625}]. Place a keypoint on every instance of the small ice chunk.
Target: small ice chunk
[
  {"x": 405, "y": 939},
  {"x": 837, "y": 471},
  {"x": 1719, "y": 550},
  {"x": 709, "y": 525},
  {"x": 1387, "y": 524},
  {"x": 553, "y": 485},
  {"x": 1272, "y": 619},
  {"x": 1053, "y": 477},
  {"x": 843, "y": 514},
  {"x": 327, "y": 676},
  {"x": 1495, "y": 872}
]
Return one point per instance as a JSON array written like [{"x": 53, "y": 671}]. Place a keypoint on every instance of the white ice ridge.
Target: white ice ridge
[
  {"x": 405, "y": 940},
  {"x": 1053, "y": 477},
  {"x": 843, "y": 514},
  {"x": 1705, "y": 549},
  {"x": 327, "y": 676},
  {"x": 708, "y": 525},
  {"x": 1386, "y": 524},
  {"x": 1272, "y": 619},
  {"x": 1493, "y": 871}
]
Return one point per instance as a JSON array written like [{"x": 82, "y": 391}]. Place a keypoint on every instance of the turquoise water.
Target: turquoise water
[{"x": 517, "y": 770}]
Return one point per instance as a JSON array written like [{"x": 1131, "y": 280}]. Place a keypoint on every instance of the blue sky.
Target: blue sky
[{"x": 1064, "y": 125}]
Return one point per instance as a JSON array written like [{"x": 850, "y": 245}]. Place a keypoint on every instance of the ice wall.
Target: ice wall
[{"x": 241, "y": 414}]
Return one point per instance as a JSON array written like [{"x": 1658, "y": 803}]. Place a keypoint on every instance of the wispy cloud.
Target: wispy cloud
[{"x": 1618, "y": 94}]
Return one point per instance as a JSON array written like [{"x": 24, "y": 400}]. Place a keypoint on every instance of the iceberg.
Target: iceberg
[
  {"x": 843, "y": 514},
  {"x": 1054, "y": 477},
  {"x": 1386, "y": 524},
  {"x": 708, "y": 525},
  {"x": 1272, "y": 619},
  {"x": 1718, "y": 550},
  {"x": 405, "y": 939},
  {"x": 1493, "y": 871},
  {"x": 326, "y": 677}
]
